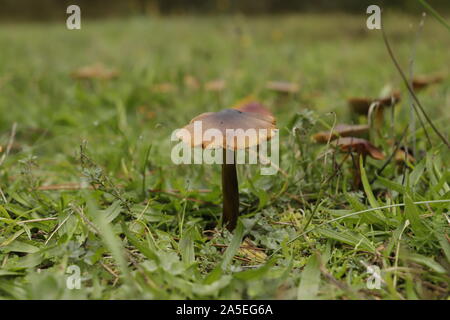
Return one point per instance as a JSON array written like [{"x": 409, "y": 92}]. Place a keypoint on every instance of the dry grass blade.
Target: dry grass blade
[{"x": 249, "y": 251}]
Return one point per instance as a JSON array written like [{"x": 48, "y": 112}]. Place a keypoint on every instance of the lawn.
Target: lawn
[{"x": 88, "y": 184}]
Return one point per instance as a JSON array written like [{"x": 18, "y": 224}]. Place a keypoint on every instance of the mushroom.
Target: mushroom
[
  {"x": 422, "y": 82},
  {"x": 249, "y": 116},
  {"x": 361, "y": 147},
  {"x": 215, "y": 85},
  {"x": 341, "y": 130},
  {"x": 191, "y": 82},
  {"x": 282, "y": 86},
  {"x": 95, "y": 71},
  {"x": 361, "y": 106}
]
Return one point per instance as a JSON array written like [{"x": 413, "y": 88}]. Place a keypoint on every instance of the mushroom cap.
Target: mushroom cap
[
  {"x": 341, "y": 130},
  {"x": 282, "y": 86},
  {"x": 95, "y": 71},
  {"x": 358, "y": 145},
  {"x": 253, "y": 117},
  {"x": 361, "y": 105},
  {"x": 421, "y": 82},
  {"x": 256, "y": 107},
  {"x": 215, "y": 85}
]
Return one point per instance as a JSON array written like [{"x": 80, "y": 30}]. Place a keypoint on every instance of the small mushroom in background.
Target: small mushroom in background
[
  {"x": 361, "y": 106},
  {"x": 191, "y": 82},
  {"x": 249, "y": 116},
  {"x": 95, "y": 71},
  {"x": 361, "y": 147},
  {"x": 341, "y": 130},
  {"x": 282, "y": 87},
  {"x": 374, "y": 108},
  {"x": 215, "y": 85},
  {"x": 421, "y": 82}
]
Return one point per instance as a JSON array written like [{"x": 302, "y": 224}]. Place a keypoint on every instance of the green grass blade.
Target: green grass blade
[
  {"x": 350, "y": 238},
  {"x": 109, "y": 238},
  {"x": 434, "y": 13},
  {"x": 234, "y": 245},
  {"x": 254, "y": 274},
  {"x": 412, "y": 214},
  {"x": 187, "y": 247},
  {"x": 310, "y": 280},
  {"x": 145, "y": 250}
]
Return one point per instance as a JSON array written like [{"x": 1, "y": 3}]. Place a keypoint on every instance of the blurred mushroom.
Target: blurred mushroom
[
  {"x": 362, "y": 105},
  {"x": 361, "y": 147},
  {"x": 215, "y": 85},
  {"x": 249, "y": 116},
  {"x": 421, "y": 82},
  {"x": 282, "y": 86},
  {"x": 341, "y": 130},
  {"x": 95, "y": 71},
  {"x": 191, "y": 82}
]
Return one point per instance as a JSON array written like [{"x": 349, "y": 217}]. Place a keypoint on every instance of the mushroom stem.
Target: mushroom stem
[{"x": 230, "y": 191}]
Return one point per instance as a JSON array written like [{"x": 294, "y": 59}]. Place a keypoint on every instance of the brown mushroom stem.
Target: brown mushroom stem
[{"x": 230, "y": 192}]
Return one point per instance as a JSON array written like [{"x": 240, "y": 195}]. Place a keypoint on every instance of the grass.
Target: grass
[{"x": 149, "y": 229}]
